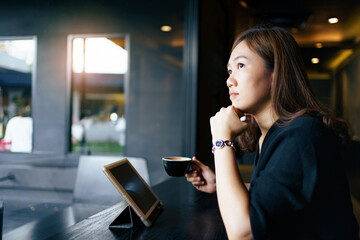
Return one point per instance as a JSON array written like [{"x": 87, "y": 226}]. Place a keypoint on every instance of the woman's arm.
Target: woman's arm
[{"x": 233, "y": 195}]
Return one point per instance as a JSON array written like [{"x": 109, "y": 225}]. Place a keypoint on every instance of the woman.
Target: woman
[
  {"x": 298, "y": 188},
  {"x": 19, "y": 131}
]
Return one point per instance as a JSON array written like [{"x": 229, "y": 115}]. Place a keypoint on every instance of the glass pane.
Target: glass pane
[
  {"x": 16, "y": 63},
  {"x": 99, "y": 70}
]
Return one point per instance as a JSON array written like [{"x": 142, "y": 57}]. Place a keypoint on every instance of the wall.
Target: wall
[
  {"x": 349, "y": 78},
  {"x": 155, "y": 97}
]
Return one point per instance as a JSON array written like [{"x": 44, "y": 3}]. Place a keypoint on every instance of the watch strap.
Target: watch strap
[{"x": 222, "y": 143}]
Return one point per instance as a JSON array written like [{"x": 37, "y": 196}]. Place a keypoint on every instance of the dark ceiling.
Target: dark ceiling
[{"x": 307, "y": 20}]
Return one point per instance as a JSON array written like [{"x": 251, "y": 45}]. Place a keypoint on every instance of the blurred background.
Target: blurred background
[{"x": 92, "y": 82}]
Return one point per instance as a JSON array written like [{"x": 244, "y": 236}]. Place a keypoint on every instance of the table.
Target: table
[{"x": 187, "y": 214}]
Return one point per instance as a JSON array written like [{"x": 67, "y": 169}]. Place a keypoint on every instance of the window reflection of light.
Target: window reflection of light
[
  {"x": 113, "y": 117},
  {"x": 101, "y": 56},
  {"x": 32, "y": 208}
]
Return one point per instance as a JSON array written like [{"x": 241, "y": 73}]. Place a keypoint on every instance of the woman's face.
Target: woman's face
[{"x": 249, "y": 80}]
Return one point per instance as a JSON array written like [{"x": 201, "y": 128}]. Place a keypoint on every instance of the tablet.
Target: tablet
[{"x": 137, "y": 193}]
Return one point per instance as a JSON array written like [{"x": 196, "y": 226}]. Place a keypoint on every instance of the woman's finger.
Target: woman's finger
[
  {"x": 193, "y": 179},
  {"x": 199, "y": 165},
  {"x": 198, "y": 184}
]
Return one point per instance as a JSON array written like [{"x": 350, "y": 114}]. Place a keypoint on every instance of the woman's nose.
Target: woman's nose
[{"x": 230, "y": 82}]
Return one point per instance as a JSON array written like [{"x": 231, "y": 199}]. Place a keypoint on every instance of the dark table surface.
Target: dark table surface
[{"x": 187, "y": 214}]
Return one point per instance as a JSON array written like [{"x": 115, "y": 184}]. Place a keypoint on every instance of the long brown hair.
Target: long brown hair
[{"x": 291, "y": 91}]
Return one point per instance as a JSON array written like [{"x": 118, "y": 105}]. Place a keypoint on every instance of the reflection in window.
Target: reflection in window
[
  {"x": 16, "y": 66},
  {"x": 99, "y": 70}
]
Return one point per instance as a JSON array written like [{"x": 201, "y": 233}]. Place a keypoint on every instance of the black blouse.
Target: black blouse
[{"x": 299, "y": 189}]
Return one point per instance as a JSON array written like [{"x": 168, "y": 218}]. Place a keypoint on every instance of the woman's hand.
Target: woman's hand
[
  {"x": 202, "y": 177},
  {"x": 226, "y": 124}
]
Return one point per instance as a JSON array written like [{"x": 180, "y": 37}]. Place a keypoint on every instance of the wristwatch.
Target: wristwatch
[{"x": 222, "y": 143}]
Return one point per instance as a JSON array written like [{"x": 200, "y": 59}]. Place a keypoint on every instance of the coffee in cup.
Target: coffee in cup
[{"x": 176, "y": 166}]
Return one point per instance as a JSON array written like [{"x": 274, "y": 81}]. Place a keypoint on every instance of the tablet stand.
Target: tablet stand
[{"x": 127, "y": 219}]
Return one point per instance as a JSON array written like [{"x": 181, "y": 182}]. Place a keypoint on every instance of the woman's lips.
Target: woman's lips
[{"x": 232, "y": 95}]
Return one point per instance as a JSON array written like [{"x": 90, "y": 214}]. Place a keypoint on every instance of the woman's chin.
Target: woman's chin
[{"x": 240, "y": 108}]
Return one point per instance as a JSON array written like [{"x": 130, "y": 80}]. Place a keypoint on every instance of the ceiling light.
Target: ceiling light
[
  {"x": 315, "y": 60},
  {"x": 243, "y": 4},
  {"x": 318, "y": 45},
  {"x": 333, "y": 20},
  {"x": 166, "y": 28}
]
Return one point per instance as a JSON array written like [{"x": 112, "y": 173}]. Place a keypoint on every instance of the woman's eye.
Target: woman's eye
[
  {"x": 229, "y": 71},
  {"x": 240, "y": 65}
]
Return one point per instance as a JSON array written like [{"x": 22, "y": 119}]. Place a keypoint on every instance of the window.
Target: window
[
  {"x": 99, "y": 74},
  {"x": 17, "y": 57}
]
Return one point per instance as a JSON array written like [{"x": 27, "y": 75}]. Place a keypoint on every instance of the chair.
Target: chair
[{"x": 93, "y": 187}]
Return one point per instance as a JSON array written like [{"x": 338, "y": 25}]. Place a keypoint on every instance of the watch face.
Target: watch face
[{"x": 219, "y": 143}]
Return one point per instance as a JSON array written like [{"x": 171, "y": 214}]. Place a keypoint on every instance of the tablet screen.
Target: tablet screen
[{"x": 134, "y": 187}]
